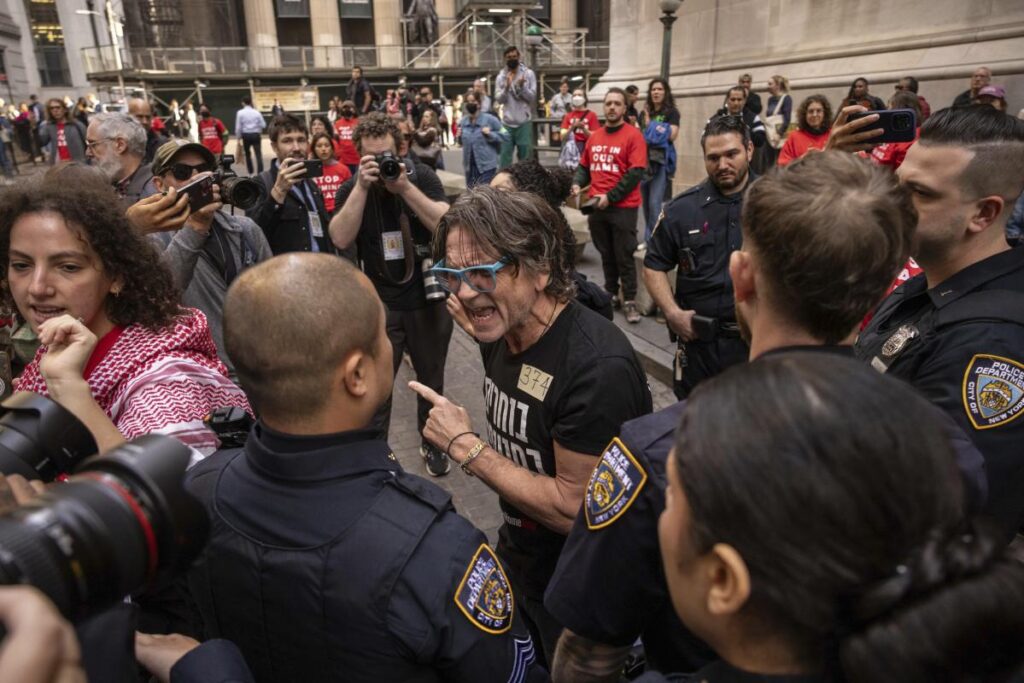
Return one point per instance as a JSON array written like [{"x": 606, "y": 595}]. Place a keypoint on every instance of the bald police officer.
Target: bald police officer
[
  {"x": 697, "y": 232},
  {"x": 326, "y": 561}
]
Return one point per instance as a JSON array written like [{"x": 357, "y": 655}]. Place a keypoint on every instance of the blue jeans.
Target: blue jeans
[
  {"x": 652, "y": 193},
  {"x": 475, "y": 177}
]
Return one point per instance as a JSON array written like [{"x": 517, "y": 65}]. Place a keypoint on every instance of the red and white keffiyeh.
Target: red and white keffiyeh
[{"x": 163, "y": 382}]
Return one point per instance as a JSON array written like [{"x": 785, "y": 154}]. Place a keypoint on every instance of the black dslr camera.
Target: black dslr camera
[
  {"x": 244, "y": 193},
  {"x": 122, "y": 524},
  {"x": 390, "y": 166}
]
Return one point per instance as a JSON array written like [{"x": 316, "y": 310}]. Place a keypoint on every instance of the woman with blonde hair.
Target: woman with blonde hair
[{"x": 777, "y": 117}]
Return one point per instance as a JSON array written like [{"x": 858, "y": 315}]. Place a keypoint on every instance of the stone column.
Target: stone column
[
  {"x": 446, "y": 20},
  {"x": 563, "y": 18},
  {"x": 261, "y": 31},
  {"x": 387, "y": 28},
  {"x": 325, "y": 24}
]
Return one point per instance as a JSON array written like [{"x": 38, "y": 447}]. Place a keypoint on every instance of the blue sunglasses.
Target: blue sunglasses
[{"x": 483, "y": 278}]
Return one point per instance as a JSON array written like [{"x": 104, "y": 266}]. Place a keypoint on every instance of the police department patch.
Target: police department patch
[
  {"x": 614, "y": 485},
  {"x": 993, "y": 391},
  {"x": 484, "y": 595}
]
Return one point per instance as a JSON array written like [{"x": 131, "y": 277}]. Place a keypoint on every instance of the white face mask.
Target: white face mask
[{"x": 578, "y": 101}]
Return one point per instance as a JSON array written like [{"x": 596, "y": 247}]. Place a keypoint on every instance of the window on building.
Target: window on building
[{"x": 48, "y": 36}]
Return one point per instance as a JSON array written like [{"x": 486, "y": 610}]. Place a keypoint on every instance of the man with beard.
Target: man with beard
[
  {"x": 613, "y": 163},
  {"x": 696, "y": 234},
  {"x": 392, "y": 220},
  {"x": 292, "y": 213},
  {"x": 956, "y": 331},
  {"x": 116, "y": 144},
  {"x": 798, "y": 283}
]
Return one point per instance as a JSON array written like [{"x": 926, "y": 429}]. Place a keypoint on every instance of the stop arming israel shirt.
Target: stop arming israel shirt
[{"x": 576, "y": 385}]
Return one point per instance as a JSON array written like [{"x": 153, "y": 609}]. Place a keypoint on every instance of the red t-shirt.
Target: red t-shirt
[
  {"x": 589, "y": 120},
  {"x": 609, "y": 154},
  {"x": 910, "y": 269},
  {"x": 334, "y": 175},
  {"x": 63, "y": 153},
  {"x": 892, "y": 154},
  {"x": 799, "y": 143},
  {"x": 210, "y": 132},
  {"x": 343, "y": 128}
]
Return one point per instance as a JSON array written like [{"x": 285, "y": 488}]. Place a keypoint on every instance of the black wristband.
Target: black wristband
[{"x": 448, "y": 451}]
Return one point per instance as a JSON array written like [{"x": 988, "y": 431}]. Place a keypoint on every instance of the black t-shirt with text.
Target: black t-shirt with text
[
  {"x": 380, "y": 243},
  {"x": 576, "y": 385}
]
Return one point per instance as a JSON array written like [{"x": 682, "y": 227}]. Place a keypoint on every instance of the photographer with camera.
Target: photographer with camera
[
  {"x": 390, "y": 211},
  {"x": 292, "y": 212},
  {"x": 213, "y": 247}
]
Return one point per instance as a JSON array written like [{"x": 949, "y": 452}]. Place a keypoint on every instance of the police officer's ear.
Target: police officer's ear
[
  {"x": 727, "y": 580},
  {"x": 742, "y": 270},
  {"x": 985, "y": 212},
  {"x": 356, "y": 374}
]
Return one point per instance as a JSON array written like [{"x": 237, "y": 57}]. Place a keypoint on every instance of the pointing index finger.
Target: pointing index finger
[{"x": 426, "y": 392}]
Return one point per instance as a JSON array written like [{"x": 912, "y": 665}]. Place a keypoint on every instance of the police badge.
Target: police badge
[
  {"x": 993, "y": 391},
  {"x": 896, "y": 343},
  {"x": 484, "y": 594}
]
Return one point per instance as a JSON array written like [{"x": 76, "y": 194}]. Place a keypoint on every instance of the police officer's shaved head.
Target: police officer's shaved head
[{"x": 290, "y": 322}]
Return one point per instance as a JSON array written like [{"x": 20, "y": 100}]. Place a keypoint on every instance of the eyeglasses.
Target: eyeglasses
[
  {"x": 898, "y": 87},
  {"x": 185, "y": 171},
  {"x": 483, "y": 278},
  {"x": 92, "y": 145}
]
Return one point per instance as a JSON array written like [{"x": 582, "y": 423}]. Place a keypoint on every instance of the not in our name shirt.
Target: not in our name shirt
[
  {"x": 609, "y": 154},
  {"x": 576, "y": 385}
]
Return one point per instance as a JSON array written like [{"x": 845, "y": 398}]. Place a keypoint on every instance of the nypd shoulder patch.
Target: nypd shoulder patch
[
  {"x": 484, "y": 594},
  {"x": 614, "y": 485},
  {"x": 993, "y": 391}
]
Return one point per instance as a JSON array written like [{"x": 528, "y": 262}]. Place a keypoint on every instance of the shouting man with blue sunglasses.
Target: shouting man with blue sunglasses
[{"x": 559, "y": 380}]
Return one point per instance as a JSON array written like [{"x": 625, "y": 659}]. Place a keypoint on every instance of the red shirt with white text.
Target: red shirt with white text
[{"x": 609, "y": 154}]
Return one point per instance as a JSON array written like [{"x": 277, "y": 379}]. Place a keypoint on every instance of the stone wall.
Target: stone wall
[{"x": 821, "y": 46}]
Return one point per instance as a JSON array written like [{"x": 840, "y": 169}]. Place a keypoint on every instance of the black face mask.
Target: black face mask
[
  {"x": 512, "y": 64},
  {"x": 347, "y": 113},
  {"x": 472, "y": 108},
  {"x": 205, "y": 114}
]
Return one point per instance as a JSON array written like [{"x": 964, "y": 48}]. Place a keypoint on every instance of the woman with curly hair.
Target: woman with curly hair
[
  {"x": 116, "y": 350},
  {"x": 814, "y": 121}
]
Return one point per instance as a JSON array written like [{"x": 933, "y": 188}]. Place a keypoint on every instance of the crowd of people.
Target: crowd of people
[{"x": 836, "y": 496}]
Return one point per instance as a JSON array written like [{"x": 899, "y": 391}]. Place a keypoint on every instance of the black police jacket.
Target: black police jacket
[
  {"x": 696, "y": 234},
  {"x": 961, "y": 344},
  {"x": 612, "y": 551},
  {"x": 287, "y": 226},
  {"x": 327, "y": 562}
]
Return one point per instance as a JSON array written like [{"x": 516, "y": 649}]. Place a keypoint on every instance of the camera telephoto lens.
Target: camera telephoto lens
[
  {"x": 241, "y": 192},
  {"x": 390, "y": 166},
  {"x": 124, "y": 523},
  {"x": 39, "y": 439}
]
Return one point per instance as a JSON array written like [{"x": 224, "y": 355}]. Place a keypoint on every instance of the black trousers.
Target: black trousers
[
  {"x": 614, "y": 233},
  {"x": 424, "y": 333},
  {"x": 253, "y": 142},
  {"x": 697, "y": 361}
]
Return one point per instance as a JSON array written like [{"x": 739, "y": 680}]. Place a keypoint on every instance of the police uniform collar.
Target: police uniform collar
[
  {"x": 837, "y": 349},
  {"x": 709, "y": 192},
  {"x": 975, "y": 275},
  {"x": 318, "y": 457}
]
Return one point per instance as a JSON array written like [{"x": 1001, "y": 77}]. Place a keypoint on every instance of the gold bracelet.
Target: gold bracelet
[{"x": 474, "y": 452}]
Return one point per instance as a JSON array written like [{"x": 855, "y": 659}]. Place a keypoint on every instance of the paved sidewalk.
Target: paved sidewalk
[{"x": 464, "y": 385}]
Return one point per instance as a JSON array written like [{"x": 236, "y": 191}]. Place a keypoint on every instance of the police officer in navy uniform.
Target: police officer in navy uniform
[
  {"x": 956, "y": 332},
  {"x": 609, "y": 587},
  {"x": 326, "y": 561},
  {"x": 697, "y": 232}
]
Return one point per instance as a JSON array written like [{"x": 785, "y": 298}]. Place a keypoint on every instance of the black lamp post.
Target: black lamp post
[{"x": 668, "y": 17}]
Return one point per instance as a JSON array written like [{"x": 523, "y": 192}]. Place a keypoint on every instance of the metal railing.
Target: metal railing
[{"x": 199, "y": 61}]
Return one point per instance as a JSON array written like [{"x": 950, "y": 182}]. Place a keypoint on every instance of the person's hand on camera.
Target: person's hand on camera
[
  {"x": 681, "y": 322},
  {"x": 159, "y": 212},
  {"x": 368, "y": 172},
  {"x": 40, "y": 647},
  {"x": 850, "y": 136},
  {"x": 69, "y": 344},
  {"x": 159, "y": 653},
  {"x": 602, "y": 201},
  {"x": 290, "y": 173},
  {"x": 15, "y": 491},
  {"x": 201, "y": 220}
]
